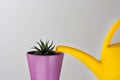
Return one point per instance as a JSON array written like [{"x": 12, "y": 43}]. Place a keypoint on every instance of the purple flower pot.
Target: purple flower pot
[{"x": 45, "y": 67}]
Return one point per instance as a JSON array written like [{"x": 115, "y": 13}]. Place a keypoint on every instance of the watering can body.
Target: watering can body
[
  {"x": 111, "y": 62},
  {"x": 108, "y": 67}
]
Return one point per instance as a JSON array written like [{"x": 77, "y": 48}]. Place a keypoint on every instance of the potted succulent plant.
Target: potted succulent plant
[{"x": 44, "y": 63}]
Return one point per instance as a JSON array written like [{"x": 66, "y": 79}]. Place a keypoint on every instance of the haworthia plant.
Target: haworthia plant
[{"x": 44, "y": 48}]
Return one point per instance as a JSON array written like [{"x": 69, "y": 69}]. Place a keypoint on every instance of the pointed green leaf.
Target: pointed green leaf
[
  {"x": 50, "y": 45},
  {"x": 42, "y": 43},
  {"x": 51, "y": 49},
  {"x": 37, "y": 49},
  {"x": 39, "y": 45}
]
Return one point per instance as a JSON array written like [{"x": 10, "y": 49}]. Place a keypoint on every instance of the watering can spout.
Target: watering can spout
[{"x": 93, "y": 64}]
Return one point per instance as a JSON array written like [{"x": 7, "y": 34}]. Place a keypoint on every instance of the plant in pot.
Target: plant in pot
[{"x": 44, "y": 63}]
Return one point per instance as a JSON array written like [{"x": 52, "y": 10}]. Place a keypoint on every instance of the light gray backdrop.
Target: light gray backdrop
[{"x": 78, "y": 23}]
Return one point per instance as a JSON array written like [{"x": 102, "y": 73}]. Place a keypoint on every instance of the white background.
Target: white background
[{"x": 78, "y": 23}]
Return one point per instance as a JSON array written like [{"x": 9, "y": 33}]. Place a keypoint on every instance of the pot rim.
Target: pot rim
[{"x": 58, "y": 53}]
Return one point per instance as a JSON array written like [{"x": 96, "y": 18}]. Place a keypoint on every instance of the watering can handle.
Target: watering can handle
[{"x": 111, "y": 33}]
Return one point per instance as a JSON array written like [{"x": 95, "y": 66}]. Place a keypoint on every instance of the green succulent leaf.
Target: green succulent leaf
[
  {"x": 42, "y": 43},
  {"x": 50, "y": 45},
  {"x": 37, "y": 49},
  {"x": 51, "y": 49},
  {"x": 47, "y": 43},
  {"x": 41, "y": 47}
]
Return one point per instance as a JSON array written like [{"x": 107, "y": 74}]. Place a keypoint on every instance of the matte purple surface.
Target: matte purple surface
[{"x": 45, "y": 67}]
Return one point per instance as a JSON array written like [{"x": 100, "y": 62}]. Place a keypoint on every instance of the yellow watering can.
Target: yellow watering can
[{"x": 108, "y": 68}]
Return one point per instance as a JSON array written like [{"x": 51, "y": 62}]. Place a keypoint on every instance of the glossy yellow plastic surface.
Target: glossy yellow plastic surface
[{"x": 108, "y": 68}]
